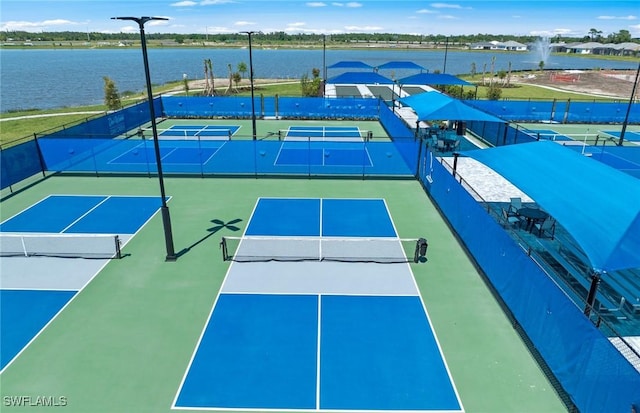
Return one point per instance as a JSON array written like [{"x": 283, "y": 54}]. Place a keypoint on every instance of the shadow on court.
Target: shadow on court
[{"x": 218, "y": 225}]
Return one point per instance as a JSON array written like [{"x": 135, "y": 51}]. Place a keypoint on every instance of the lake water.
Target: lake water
[{"x": 43, "y": 79}]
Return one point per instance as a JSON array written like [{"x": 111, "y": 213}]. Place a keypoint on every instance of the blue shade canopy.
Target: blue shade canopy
[
  {"x": 433, "y": 79},
  {"x": 369, "y": 78},
  {"x": 349, "y": 64},
  {"x": 400, "y": 65},
  {"x": 438, "y": 106},
  {"x": 598, "y": 205}
]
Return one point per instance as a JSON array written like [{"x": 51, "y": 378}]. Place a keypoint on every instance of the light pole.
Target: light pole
[
  {"x": 626, "y": 117},
  {"x": 253, "y": 108},
  {"x": 324, "y": 65},
  {"x": 446, "y": 50},
  {"x": 166, "y": 218}
]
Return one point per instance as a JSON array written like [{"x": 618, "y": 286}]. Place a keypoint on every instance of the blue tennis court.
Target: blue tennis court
[
  {"x": 323, "y": 133},
  {"x": 35, "y": 289},
  {"x": 548, "y": 134},
  {"x": 319, "y": 335},
  {"x": 631, "y": 136},
  {"x": 323, "y": 154},
  {"x": 169, "y": 154},
  {"x": 205, "y": 132}
]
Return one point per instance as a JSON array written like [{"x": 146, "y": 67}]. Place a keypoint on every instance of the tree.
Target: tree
[
  {"x": 541, "y": 65},
  {"x": 502, "y": 75},
  {"x": 242, "y": 68},
  {"x": 185, "y": 83},
  {"x": 311, "y": 87},
  {"x": 595, "y": 34},
  {"x": 494, "y": 92},
  {"x": 111, "y": 96},
  {"x": 228, "y": 91},
  {"x": 209, "y": 78},
  {"x": 622, "y": 36},
  {"x": 237, "y": 77}
]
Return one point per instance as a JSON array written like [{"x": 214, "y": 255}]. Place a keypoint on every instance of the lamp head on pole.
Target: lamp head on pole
[{"x": 140, "y": 20}]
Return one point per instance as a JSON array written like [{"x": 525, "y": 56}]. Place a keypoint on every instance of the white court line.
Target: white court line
[
  {"x": 85, "y": 214},
  {"x": 318, "y": 361},
  {"x": 91, "y": 278},
  {"x": 113, "y": 160},
  {"x": 318, "y": 352}
]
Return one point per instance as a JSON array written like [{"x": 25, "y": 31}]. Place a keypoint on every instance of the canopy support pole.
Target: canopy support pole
[{"x": 591, "y": 298}]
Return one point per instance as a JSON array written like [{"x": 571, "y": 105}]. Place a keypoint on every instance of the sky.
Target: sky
[{"x": 545, "y": 18}]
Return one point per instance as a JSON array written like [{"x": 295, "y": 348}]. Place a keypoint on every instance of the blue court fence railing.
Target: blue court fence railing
[
  {"x": 589, "y": 368},
  {"x": 26, "y": 160},
  {"x": 558, "y": 111}
]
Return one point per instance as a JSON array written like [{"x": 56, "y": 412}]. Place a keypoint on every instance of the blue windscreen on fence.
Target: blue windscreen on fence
[
  {"x": 285, "y": 107},
  {"x": 592, "y": 371},
  {"x": 328, "y": 108},
  {"x": 403, "y": 137},
  {"x": 111, "y": 125},
  {"x": 19, "y": 162},
  {"x": 559, "y": 111},
  {"x": 215, "y": 106},
  {"x": 210, "y": 157}
]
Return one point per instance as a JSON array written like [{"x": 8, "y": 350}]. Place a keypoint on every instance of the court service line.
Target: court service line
[
  {"x": 318, "y": 352},
  {"x": 206, "y": 324},
  {"x": 86, "y": 213}
]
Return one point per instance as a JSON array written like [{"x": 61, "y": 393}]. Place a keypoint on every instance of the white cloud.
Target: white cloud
[
  {"x": 363, "y": 28},
  {"x": 129, "y": 29},
  {"x": 243, "y": 23},
  {"x": 553, "y": 33},
  {"x": 218, "y": 29},
  {"x": 447, "y": 17},
  {"x": 354, "y": 5},
  {"x": 446, "y": 6},
  {"x": 297, "y": 24},
  {"x": 158, "y": 22},
  {"x": 630, "y": 17},
  {"x": 22, "y": 25},
  {"x": 210, "y": 2},
  {"x": 337, "y": 4},
  {"x": 426, "y": 11},
  {"x": 186, "y": 3},
  {"x": 316, "y": 4}
]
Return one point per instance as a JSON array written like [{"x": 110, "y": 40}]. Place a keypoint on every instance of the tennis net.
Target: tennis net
[
  {"x": 304, "y": 135},
  {"x": 183, "y": 133},
  {"x": 339, "y": 249},
  {"x": 90, "y": 246}
]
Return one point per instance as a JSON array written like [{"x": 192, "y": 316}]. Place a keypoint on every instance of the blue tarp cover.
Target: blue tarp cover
[
  {"x": 347, "y": 64},
  {"x": 368, "y": 78},
  {"x": 438, "y": 106},
  {"x": 400, "y": 65},
  {"x": 433, "y": 79},
  {"x": 598, "y": 205}
]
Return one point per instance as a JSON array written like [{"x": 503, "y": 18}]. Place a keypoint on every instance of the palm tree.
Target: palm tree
[
  {"x": 212, "y": 76},
  {"x": 206, "y": 78},
  {"x": 242, "y": 68},
  {"x": 595, "y": 33}
]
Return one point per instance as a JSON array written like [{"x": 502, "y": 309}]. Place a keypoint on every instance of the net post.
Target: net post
[
  {"x": 118, "y": 251},
  {"x": 369, "y": 135},
  {"x": 223, "y": 247},
  {"x": 421, "y": 249}
]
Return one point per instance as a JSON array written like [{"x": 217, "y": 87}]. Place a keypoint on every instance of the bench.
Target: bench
[{"x": 604, "y": 304}]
